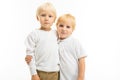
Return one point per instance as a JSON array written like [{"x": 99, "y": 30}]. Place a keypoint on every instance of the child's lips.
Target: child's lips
[
  {"x": 46, "y": 23},
  {"x": 63, "y": 33}
]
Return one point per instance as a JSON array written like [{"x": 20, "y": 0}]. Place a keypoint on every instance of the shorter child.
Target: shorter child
[
  {"x": 72, "y": 57},
  {"x": 42, "y": 45}
]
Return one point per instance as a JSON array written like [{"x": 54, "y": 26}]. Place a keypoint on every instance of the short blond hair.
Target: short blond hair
[
  {"x": 66, "y": 17},
  {"x": 45, "y": 7}
]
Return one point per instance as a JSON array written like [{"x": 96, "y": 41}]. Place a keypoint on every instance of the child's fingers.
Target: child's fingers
[{"x": 28, "y": 59}]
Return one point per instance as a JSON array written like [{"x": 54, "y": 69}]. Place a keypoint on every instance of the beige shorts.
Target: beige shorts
[{"x": 47, "y": 75}]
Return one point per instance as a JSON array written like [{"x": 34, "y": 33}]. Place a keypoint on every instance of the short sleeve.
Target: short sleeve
[{"x": 79, "y": 50}]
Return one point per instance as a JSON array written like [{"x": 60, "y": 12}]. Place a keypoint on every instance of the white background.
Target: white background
[{"x": 98, "y": 28}]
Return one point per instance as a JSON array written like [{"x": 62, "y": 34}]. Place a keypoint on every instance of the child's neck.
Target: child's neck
[{"x": 45, "y": 29}]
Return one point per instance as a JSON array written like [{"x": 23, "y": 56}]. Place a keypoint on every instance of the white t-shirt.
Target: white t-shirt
[
  {"x": 43, "y": 46},
  {"x": 69, "y": 53}
]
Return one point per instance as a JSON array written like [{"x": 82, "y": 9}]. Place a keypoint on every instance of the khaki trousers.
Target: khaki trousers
[{"x": 47, "y": 75}]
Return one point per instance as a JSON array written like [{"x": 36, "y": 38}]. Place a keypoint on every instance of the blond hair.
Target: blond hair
[
  {"x": 66, "y": 17},
  {"x": 47, "y": 6}
]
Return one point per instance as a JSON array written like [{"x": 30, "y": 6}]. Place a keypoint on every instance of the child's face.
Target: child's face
[
  {"x": 64, "y": 29},
  {"x": 46, "y": 19}
]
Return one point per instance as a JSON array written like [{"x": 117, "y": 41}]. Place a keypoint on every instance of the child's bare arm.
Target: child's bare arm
[
  {"x": 28, "y": 58},
  {"x": 81, "y": 69}
]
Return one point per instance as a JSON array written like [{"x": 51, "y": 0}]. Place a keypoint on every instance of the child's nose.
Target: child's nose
[
  {"x": 64, "y": 28},
  {"x": 46, "y": 18}
]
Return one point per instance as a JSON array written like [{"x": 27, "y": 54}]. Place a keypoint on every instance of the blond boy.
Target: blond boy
[
  {"x": 72, "y": 57},
  {"x": 42, "y": 45}
]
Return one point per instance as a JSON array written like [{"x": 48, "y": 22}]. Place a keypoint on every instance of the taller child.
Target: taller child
[{"x": 42, "y": 45}]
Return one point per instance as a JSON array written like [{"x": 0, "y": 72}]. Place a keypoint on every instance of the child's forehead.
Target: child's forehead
[
  {"x": 47, "y": 12},
  {"x": 50, "y": 10},
  {"x": 65, "y": 22},
  {"x": 47, "y": 9}
]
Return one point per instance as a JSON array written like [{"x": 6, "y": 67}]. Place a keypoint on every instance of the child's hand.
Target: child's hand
[
  {"x": 28, "y": 58},
  {"x": 35, "y": 77}
]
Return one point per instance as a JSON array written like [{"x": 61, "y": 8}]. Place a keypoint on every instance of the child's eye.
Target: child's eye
[
  {"x": 68, "y": 27},
  {"x": 43, "y": 15},
  {"x": 61, "y": 25},
  {"x": 50, "y": 16}
]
